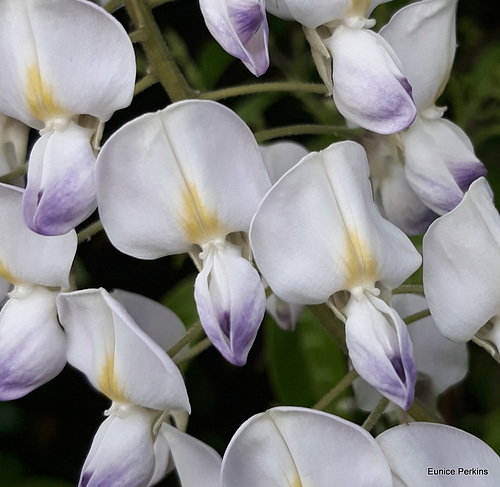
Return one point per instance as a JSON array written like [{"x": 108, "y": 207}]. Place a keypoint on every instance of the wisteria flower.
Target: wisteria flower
[
  {"x": 318, "y": 233},
  {"x": 189, "y": 179},
  {"x": 240, "y": 27},
  {"x": 35, "y": 269},
  {"x": 462, "y": 268},
  {"x": 67, "y": 66},
  {"x": 131, "y": 369}
]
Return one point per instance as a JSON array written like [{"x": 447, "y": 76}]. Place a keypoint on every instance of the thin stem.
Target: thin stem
[
  {"x": 420, "y": 412},
  {"x": 337, "y": 390},
  {"x": 287, "y": 86},
  {"x": 113, "y": 5},
  {"x": 161, "y": 61},
  {"x": 330, "y": 323},
  {"x": 194, "y": 332},
  {"x": 417, "y": 316},
  {"x": 16, "y": 173},
  {"x": 90, "y": 231},
  {"x": 303, "y": 129},
  {"x": 376, "y": 414},
  {"x": 409, "y": 289},
  {"x": 194, "y": 351},
  {"x": 144, "y": 83}
]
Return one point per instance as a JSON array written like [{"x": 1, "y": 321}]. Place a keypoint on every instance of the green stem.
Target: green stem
[
  {"x": 144, "y": 83},
  {"x": 303, "y": 129},
  {"x": 409, "y": 289},
  {"x": 113, "y": 5},
  {"x": 194, "y": 351},
  {"x": 337, "y": 390},
  {"x": 16, "y": 173},
  {"x": 331, "y": 323},
  {"x": 417, "y": 316},
  {"x": 194, "y": 332},
  {"x": 287, "y": 86},
  {"x": 162, "y": 64},
  {"x": 89, "y": 231},
  {"x": 376, "y": 414},
  {"x": 420, "y": 412}
]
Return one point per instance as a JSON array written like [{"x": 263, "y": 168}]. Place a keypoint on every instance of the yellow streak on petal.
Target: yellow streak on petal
[
  {"x": 362, "y": 266},
  {"x": 296, "y": 482},
  {"x": 6, "y": 274},
  {"x": 108, "y": 382},
  {"x": 40, "y": 96},
  {"x": 200, "y": 223},
  {"x": 359, "y": 7}
]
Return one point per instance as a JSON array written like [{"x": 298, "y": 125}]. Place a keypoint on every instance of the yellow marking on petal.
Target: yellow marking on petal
[
  {"x": 359, "y": 7},
  {"x": 362, "y": 266},
  {"x": 200, "y": 223},
  {"x": 40, "y": 96},
  {"x": 296, "y": 482},
  {"x": 6, "y": 274},
  {"x": 108, "y": 382}
]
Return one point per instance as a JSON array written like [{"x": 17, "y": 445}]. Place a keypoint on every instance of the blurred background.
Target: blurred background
[{"x": 45, "y": 436}]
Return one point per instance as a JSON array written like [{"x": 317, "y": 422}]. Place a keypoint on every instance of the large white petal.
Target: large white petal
[
  {"x": 230, "y": 300},
  {"x": 240, "y": 27},
  {"x": 25, "y": 256},
  {"x": 62, "y": 58},
  {"x": 417, "y": 451},
  {"x": 118, "y": 357},
  {"x": 33, "y": 344},
  {"x": 462, "y": 264},
  {"x": 60, "y": 193},
  {"x": 182, "y": 176},
  {"x": 369, "y": 88},
  {"x": 318, "y": 230},
  {"x": 423, "y": 36},
  {"x": 290, "y": 446},
  {"x": 196, "y": 463},
  {"x": 122, "y": 453}
]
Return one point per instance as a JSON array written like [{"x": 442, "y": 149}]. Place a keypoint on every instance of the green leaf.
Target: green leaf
[{"x": 304, "y": 364}]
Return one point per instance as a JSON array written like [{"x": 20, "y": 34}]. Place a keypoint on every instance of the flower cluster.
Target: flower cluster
[{"x": 274, "y": 227}]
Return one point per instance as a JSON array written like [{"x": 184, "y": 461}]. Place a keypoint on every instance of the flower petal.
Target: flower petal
[
  {"x": 25, "y": 256},
  {"x": 182, "y": 176},
  {"x": 119, "y": 359},
  {"x": 240, "y": 27},
  {"x": 231, "y": 301},
  {"x": 61, "y": 59},
  {"x": 291, "y": 446},
  {"x": 318, "y": 230},
  {"x": 462, "y": 264},
  {"x": 159, "y": 322},
  {"x": 196, "y": 463},
  {"x": 369, "y": 88},
  {"x": 60, "y": 193},
  {"x": 122, "y": 453},
  {"x": 417, "y": 451},
  {"x": 281, "y": 156},
  {"x": 423, "y": 37},
  {"x": 32, "y": 342},
  {"x": 380, "y": 348}
]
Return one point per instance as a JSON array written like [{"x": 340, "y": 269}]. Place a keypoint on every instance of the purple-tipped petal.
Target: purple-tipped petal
[
  {"x": 122, "y": 453},
  {"x": 230, "y": 300},
  {"x": 240, "y": 27},
  {"x": 380, "y": 348},
  {"x": 33, "y": 344},
  {"x": 369, "y": 88},
  {"x": 285, "y": 314},
  {"x": 60, "y": 192}
]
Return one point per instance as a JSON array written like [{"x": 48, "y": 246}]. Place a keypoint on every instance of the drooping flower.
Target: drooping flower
[
  {"x": 318, "y": 233},
  {"x": 439, "y": 158},
  {"x": 462, "y": 268},
  {"x": 32, "y": 344},
  {"x": 131, "y": 369},
  {"x": 68, "y": 65},
  {"x": 240, "y": 27},
  {"x": 292, "y": 446},
  {"x": 189, "y": 179},
  {"x": 440, "y": 363}
]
